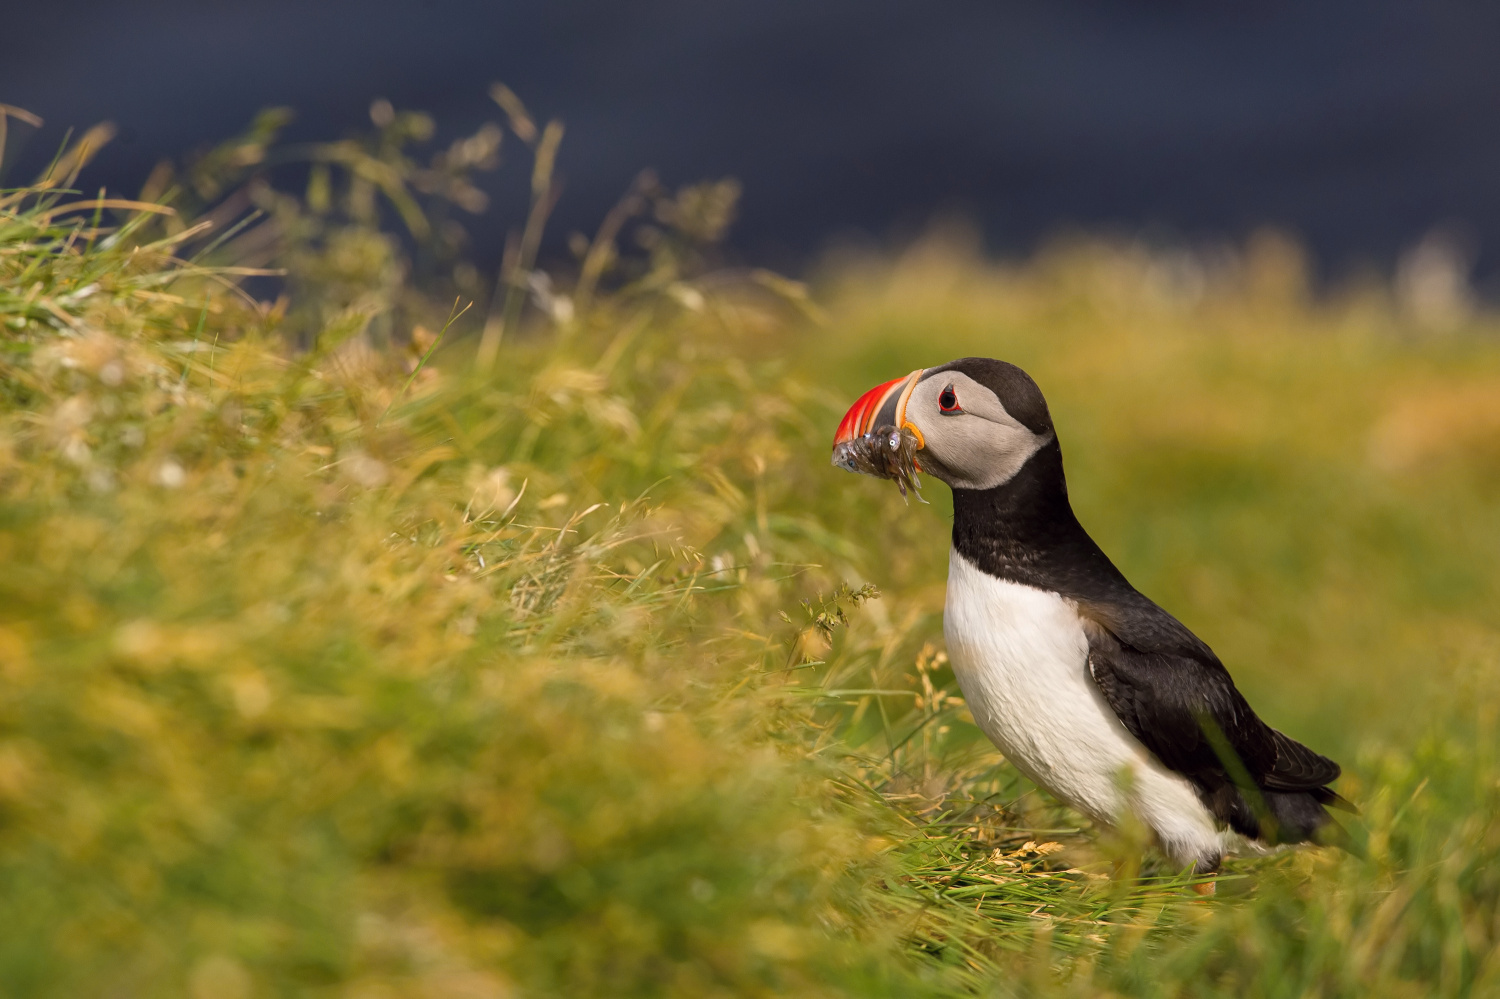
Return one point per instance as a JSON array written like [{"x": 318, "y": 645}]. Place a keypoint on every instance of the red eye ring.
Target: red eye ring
[{"x": 948, "y": 401}]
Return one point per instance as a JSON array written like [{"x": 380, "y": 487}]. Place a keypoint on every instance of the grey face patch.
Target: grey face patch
[{"x": 980, "y": 447}]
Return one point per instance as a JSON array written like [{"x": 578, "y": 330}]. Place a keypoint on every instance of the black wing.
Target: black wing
[{"x": 1171, "y": 692}]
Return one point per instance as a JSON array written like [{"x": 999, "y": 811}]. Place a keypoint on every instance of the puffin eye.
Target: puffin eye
[{"x": 948, "y": 401}]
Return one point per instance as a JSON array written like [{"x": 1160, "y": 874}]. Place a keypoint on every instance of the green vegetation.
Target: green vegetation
[{"x": 356, "y": 644}]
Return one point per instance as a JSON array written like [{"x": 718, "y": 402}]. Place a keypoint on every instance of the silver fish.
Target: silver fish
[{"x": 885, "y": 452}]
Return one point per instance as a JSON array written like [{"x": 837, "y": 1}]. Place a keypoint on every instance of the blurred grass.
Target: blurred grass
[{"x": 328, "y": 671}]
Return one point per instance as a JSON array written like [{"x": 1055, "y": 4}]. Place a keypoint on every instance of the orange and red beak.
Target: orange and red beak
[{"x": 881, "y": 406}]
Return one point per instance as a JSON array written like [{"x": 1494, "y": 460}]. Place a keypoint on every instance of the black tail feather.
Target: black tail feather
[
  {"x": 1328, "y": 796},
  {"x": 1280, "y": 817},
  {"x": 1295, "y": 817}
]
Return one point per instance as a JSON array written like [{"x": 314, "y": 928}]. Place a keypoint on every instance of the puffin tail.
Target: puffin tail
[{"x": 1302, "y": 817}]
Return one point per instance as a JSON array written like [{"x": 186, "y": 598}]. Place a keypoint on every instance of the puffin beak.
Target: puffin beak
[{"x": 883, "y": 405}]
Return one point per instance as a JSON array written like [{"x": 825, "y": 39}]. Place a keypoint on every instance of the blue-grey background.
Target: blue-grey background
[{"x": 1357, "y": 125}]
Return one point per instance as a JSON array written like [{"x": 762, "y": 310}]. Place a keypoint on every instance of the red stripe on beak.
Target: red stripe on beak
[{"x": 857, "y": 421}]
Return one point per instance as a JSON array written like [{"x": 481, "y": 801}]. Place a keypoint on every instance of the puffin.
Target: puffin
[{"x": 1085, "y": 685}]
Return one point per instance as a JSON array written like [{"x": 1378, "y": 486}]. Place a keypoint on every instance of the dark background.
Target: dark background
[{"x": 1357, "y": 125}]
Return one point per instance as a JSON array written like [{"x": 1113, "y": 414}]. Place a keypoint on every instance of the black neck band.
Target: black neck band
[{"x": 1024, "y": 530}]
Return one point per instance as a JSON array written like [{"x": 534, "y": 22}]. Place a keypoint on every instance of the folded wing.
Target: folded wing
[{"x": 1171, "y": 692}]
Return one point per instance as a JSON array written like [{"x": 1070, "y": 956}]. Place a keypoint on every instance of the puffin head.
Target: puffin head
[{"x": 975, "y": 421}]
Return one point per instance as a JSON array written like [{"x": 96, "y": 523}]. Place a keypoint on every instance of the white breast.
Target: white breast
[{"x": 1021, "y": 658}]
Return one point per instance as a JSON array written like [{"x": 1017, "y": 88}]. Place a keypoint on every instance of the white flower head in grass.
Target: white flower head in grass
[
  {"x": 169, "y": 474},
  {"x": 365, "y": 470}
]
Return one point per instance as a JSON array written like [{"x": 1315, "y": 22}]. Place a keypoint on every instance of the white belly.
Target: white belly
[{"x": 1021, "y": 658}]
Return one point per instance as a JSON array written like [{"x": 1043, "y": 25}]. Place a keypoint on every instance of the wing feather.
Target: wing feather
[
  {"x": 1178, "y": 700},
  {"x": 1299, "y": 768}
]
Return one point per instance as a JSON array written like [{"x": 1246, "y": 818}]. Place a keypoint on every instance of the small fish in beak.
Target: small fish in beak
[
  {"x": 887, "y": 452},
  {"x": 875, "y": 438}
]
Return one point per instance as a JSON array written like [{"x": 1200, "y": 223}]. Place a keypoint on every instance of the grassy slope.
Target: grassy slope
[{"x": 304, "y": 694}]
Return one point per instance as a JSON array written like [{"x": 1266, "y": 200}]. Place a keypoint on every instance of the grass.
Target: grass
[{"x": 339, "y": 662}]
